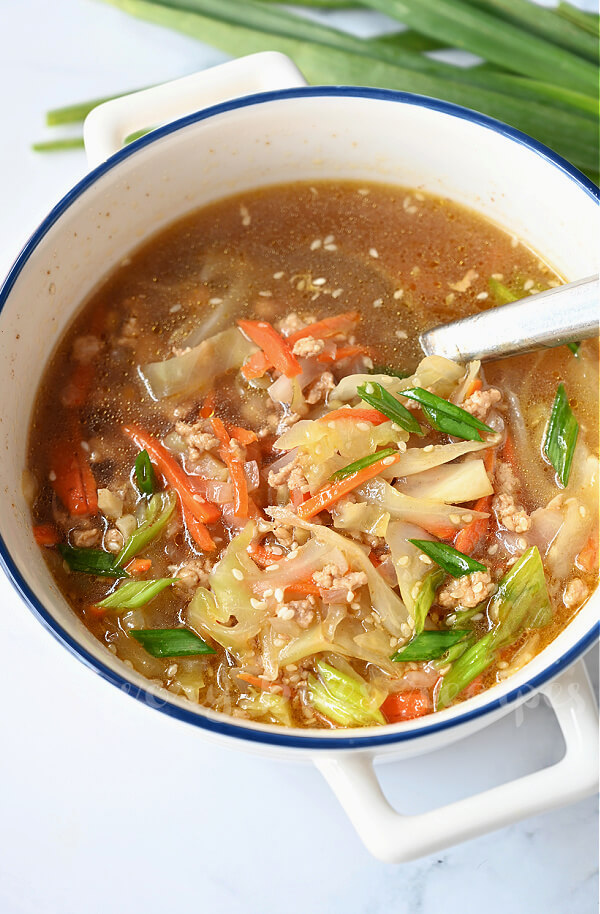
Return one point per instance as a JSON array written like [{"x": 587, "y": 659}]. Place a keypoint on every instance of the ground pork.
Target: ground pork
[
  {"x": 575, "y": 593},
  {"x": 301, "y": 611},
  {"x": 191, "y": 575},
  {"x": 130, "y": 331},
  {"x": 113, "y": 540},
  {"x": 86, "y": 538},
  {"x": 318, "y": 391},
  {"x": 481, "y": 401},
  {"x": 332, "y": 578},
  {"x": 287, "y": 421},
  {"x": 284, "y": 535},
  {"x": 505, "y": 480},
  {"x": 510, "y": 514},
  {"x": 468, "y": 591},
  {"x": 197, "y": 438},
  {"x": 86, "y": 348},
  {"x": 466, "y": 282},
  {"x": 308, "y": 347},
  {"x": 292, "y": 475}
]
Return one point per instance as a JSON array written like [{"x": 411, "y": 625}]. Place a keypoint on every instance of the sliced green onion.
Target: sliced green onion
[
  {"x": 160, "y": 509},
  {"x": 426, "y": 596},
  {"x": 461, "y": 617},
  {"x": 144, "y": 473},
  {"x": 342, "y": 698},
  {"x": 70, "y": 142},
  {"x": 134, "y": 594},
  {"x": 429, "y": 645},
  {"x": 363, "y": 463},
  {"x": 521, "y": 602},
  {"x": 502, "y": 294},
  {"x": 454, "y": 652},
  {"x": 171, "y": 642},
  {"x": 92, "y": 561},
  {"x": 561, "y": 436},
  {"x": 574, "y": 347},
  {"x": 447, "y": 557},
  {"x": 382, "y": 400},
  {"x": 446, "y": 417},
  {"x": 390, "y": 372}
]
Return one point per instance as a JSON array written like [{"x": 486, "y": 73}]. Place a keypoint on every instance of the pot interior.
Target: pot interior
[{"x": 303, "y": 134}]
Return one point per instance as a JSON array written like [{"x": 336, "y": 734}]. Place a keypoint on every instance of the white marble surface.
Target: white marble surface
[{"x": 106, "y": 805}]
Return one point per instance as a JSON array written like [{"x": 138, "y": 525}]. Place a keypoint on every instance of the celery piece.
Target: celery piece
[{"x": 269, "y": 706}]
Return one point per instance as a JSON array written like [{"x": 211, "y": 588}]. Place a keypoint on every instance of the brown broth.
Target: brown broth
[{"x": 390, "y": 253}]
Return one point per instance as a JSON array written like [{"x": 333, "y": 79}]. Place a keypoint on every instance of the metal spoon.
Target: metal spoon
[{"x": 566, "y": 314}]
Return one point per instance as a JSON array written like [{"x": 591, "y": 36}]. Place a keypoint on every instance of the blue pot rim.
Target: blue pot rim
[{"x": 374, "y": 737}]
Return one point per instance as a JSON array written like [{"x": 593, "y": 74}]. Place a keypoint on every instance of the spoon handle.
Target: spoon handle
[{"x": 566, "y": 314}]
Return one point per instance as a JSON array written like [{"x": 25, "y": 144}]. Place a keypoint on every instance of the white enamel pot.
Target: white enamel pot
[{"x": 287, "y": 132}]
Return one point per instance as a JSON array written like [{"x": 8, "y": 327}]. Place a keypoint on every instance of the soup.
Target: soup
[{"x": 253, "y": 489}]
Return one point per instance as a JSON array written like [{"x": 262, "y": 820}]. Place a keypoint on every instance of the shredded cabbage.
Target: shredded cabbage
[
  {"x": 433, "y": 371},
  {"x": 268, "y": 706},
  {"x": 416, "y": 580},
  {"x": 431, "y": 515},
  {"x": 361, "y": 517},
  {"x": 343, "y": 698},
  {"x": 195, "y": 370},
  {"x": 456, "y": 482},
  {"x": 387, "y": 604},
  {"x": 417, "y": 459}
]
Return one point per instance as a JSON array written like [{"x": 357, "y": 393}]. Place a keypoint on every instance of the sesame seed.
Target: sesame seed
[
  {"x": 402, "y": 446},
  {"x": 350, "y": 596},
  {"x": 370, "y": 389},
  {"x": 481, "y": 296},
  {"x": 171, "y": 670},
  {"x": 428, "y": 448},
  {"x": 378, "y": 303},
  {"x": 331, "y": 424},
  {"x": 454, "y": 519},
  {"x": 285, "y": 613},
  {"x": 406, "y": 629},
  {"x": 273, "y": 566},
  {"x": 477, "y": 617},
  {"x": 278, "y": 275},
  {"x": 328, "y": 239},
  {"x": 363, "y": 191},
  {"x": 502, "y": 664},
  {"x": 278, "y": 594},
  {"x": 416, "y": 590},
  {"x": 266, "y": 294},
  {"x": 330, "y": 247},
  {"x": 355, "y": 605},
  {"x": 267, "y": 593},
  {"x": 467, "y": 518},
  {"x": 336, "y": 293},
  {"x": 528, "y": 284},
  {"x": 403, "y": 560},
  {"x": 244, "y": 213},
  {"x": 174, "y": 309},
  {"x": 388, "y": 461},
  {"x": 582, "y": 511},
  {"x": 522, "y": 542},
  {"x": 425, "y": 559},
  {"x": 493, "y": 549},
  {"x": 373, "y": 252},
  {"x": 401, "y": 334},
  {"x": 238, "y": 575},
  {"x": 215, "y": 301},
  {"x": 498, "y": 276},
  {"x": 514, "y": 242},
  {"x": 257, "y": 604},
  {"x": 363, "y": 426},
  {"x": 85, "y": 446},
  {"x": 451, "y": 619},
  {"x": 396, "y": 427},
  {"x": 197, "y": 497},
  {"x": 477, "y": 587},
  {"x": 320, "y": 281},
  {"x": 316, "y": 244},
  {"x": 398, "y": 294}
]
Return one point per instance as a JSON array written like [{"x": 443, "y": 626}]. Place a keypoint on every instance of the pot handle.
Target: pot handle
[
  {"x": 107, "y": 125},
  {"x": 396, "y": 838}
]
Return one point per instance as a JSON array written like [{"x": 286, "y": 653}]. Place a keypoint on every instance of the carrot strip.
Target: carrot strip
[
  {"x": 508, "y": 452},
  {"x": 439, "y": 529},
  {"x": 307, "y": 586},
  {"x": 275, "y": 348},
  {"x": 588, "y": 557},
  {"x": 208, "y": 407},
  {"x": 330, "y": 326},
  {"x": 471, "y": 535},
  {"x": 263, "y": 556},
  {"x": 173, "y": 474},
  {"x": 235, "y": 467},
  {"x": 332, "y": 493},
  {"x": 139, "y": 566},
  {"x": 73, "y": 480},
  {"x": 256, "y": 366},
  {"x": 264, "y": 684},
  {"x": 475, "y": 385},
  {"x": 46, "y": 535},
  {"x": 347, "y": 352},
  {"x": 197, "y": 531},
  {"x": 243, "y": 435},
  {"x": 405, "y": 706},
  {"x": 359, "y": 415}
]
